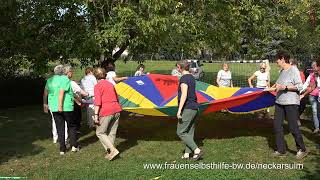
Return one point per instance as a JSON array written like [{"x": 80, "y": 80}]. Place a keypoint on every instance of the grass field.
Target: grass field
[{"x": 26, "y": 148}]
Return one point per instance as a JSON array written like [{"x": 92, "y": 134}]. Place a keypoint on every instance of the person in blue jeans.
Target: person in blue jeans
[
  {"x": 311, "y": 87},
  {"x": 313, "y": 96}
]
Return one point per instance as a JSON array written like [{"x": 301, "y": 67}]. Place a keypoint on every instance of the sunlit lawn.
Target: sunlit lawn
[{"x": 26, "y": 148}]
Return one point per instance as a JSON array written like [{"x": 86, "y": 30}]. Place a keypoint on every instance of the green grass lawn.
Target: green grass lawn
[{"x": 26, "y": 147}]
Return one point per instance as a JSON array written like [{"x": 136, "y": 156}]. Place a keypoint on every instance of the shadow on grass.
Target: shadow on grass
[
  {"x": 19, "y": 128},
  {"x": 212, "y": 126},
  {"x": 313, "y": 173}
]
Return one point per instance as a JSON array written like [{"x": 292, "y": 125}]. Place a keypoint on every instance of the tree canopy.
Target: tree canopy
[{"x": 35, "y": 32}]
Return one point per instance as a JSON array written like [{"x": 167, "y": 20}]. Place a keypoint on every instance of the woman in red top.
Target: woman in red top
[{"x": 107, "y": 113}]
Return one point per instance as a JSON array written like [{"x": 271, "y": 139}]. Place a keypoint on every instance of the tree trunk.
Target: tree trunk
[{"x": 115, "y": 56}]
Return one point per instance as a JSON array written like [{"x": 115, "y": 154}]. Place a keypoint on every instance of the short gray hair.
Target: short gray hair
[
  {"x": 58, "y": 70},
  {"x": 67, "y": 68}
]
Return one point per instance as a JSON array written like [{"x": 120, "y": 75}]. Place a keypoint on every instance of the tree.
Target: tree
[{"x": 40, "y": 31}]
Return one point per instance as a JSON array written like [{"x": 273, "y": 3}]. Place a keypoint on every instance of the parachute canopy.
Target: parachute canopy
[{"x": 156, "y": 95}]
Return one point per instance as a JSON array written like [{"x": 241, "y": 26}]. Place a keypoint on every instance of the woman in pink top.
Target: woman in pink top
[
  {"x": 107, "y": 113},
  {"x": 313, "y": 97}
]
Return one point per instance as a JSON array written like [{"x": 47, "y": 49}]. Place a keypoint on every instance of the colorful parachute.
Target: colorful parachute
[{"x": 156, "y": 95}]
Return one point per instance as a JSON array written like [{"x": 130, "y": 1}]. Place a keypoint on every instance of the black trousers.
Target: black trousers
[
  {"x": 60, "y": 119},
  {"x": 77, "y": 115},
  {"x": 303, "y": 104},
  {"x": 291, "y": 113}
]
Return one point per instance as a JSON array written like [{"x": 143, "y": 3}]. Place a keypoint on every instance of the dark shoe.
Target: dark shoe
[{"x": 198, "y": 156}]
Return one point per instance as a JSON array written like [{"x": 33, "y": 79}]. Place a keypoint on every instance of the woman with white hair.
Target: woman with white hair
[
  {"x": 78, "y": 93},
  {"x": 60, "y": 100},
  {"x": 58, "y": 71}
]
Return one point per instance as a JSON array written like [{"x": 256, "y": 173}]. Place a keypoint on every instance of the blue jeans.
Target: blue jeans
[{"x": 313, "y": 101}]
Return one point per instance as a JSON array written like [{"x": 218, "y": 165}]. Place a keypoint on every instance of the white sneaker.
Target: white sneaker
[
  {"x": 299, "y": 123},
  {"x": 55, "y": 141},
  {"x": 301, "y": 154},
  {"x": 74, "y": 149},
  {"x": 185, "y": 156},
  {"x": 62, "y": 153}
]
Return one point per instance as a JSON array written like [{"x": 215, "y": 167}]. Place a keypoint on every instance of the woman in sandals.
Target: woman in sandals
[
  {"x": 107, "y": 113},
  {"x": 187, "y": 112}
]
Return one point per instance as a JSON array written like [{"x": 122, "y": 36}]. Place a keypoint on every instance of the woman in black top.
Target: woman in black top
[{"x": 187, "y": 112}]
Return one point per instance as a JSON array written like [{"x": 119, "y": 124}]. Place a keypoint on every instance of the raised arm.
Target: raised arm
[{"x": 118, "y": 79}]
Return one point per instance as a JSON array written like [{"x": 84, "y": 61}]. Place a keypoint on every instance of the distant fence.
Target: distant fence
[{"x": 241, "y": 70}]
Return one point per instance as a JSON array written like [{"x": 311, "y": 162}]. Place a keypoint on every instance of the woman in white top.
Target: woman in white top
[
  {"x": 263, "y": 81},
  {"x": 262, "y": 77},
  {"x": 224, "y": 77},
  {"x": 111, "y": 74}
]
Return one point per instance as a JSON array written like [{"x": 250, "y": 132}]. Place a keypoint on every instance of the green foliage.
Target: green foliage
[{"x": 90, "y": 30}]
